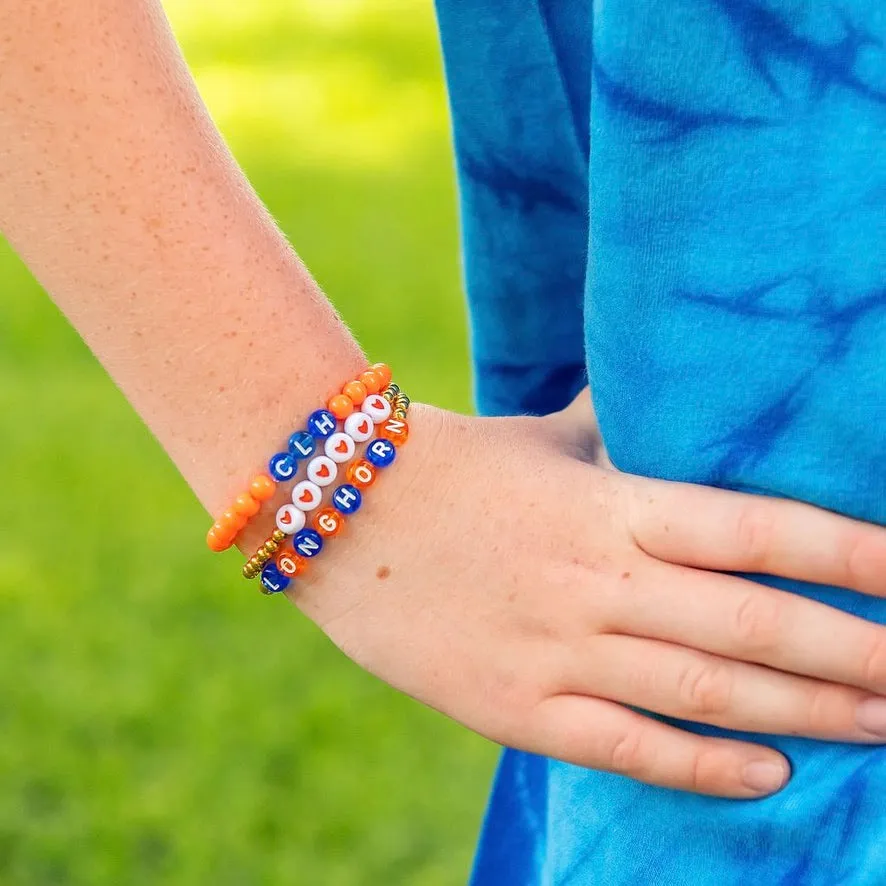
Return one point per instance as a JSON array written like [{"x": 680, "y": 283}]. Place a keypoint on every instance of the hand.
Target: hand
[{"x": 494, "y": 575}]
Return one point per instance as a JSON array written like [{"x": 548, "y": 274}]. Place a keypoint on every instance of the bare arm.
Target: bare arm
[{"x": 118, "y": 192}]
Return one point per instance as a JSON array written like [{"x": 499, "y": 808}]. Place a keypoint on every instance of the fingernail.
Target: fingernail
[
  {"x": 870, "y": 715},
  {"x": 764, "y": 776}
]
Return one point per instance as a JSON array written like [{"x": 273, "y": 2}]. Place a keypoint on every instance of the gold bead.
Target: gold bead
[
  {"x": 395, "y": 388},
  {"x": 388, "y": 396},
  {"x": 270, "y": 547},
  {"x": 399, "y": 413},
  {"x": 403, "y": 400},
  {"x": 278, "y": 536}
]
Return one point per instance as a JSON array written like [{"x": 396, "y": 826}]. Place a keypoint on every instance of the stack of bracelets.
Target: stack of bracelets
[{"x": 371, "y": 405}]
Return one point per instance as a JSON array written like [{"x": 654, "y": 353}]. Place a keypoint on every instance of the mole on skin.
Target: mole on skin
[{"x": 383, "y": 572}]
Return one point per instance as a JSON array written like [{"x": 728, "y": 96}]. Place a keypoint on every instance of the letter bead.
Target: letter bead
[
  {"x": 359, "y": 426},
  {"x": 377, "y": 408},
  {"x": 290, "y": 519},
  {"x": 289, "y": 563},
  {"x": 282, "y": 467},
  {"x": 302, "y": 445},
  {"x": 347, "y": 498},
  {"x": 340, "y": 447},
  {"x": 273, "y": 580},
  {"x": 396, "y": 430},
  {"x": 306, "y": 495},
  {"x": 380, "y": 452},
  {"x": 322, "y": 470},
  {"x": 308, "y": 543},
  {"x": 361, "y": 473},
  {"x": 328, "y": 522},
  {"x": 321, "y": 423}
]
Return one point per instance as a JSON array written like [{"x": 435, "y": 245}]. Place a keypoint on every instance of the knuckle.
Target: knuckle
[
  {"x": 758, "y": 620},
  {"x": 825, "y": 708},
  {"x": 857, "y": 558},
  {"x": 626, "y": 754},
  {"x": 874, "y": 661},
  {"x": 705, "y": 770},
  {"x": 705, "y": 688},
  {"x": 754, "y": 531}
]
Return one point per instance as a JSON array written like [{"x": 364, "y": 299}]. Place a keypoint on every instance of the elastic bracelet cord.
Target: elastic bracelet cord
[
  {"x": 278, "y": 562},
  {"x": 283, "y": 466}
]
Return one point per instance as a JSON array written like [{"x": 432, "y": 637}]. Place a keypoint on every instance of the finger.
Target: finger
[
  {"x": 747, "y": 621},
  {"x": 603, "y": 735},
  {"x": 732, "y": 531},
  {"x": 691, "y": 685}
]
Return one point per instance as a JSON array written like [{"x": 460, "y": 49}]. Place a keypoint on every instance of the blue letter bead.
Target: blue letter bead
[
  {"x": 321, "y": 423},
  {"x": 347, "y": 499},
  {"x": 307, "y": 542},
  {"x": 380, "y": 452},
  {"x": 282, "y": 467},
  {"x": 273, "y": 580},
  {"x": 301, "y": 445}
]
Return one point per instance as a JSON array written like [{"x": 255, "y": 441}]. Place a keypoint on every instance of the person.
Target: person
[{"x": 683, "y": 204}]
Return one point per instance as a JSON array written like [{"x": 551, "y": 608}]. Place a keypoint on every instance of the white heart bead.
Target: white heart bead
[
  {"x": 341, "y": 447},
  {"x": 359, "y": 426},
  {"x": 290, "y": 519},
  {"x": 306, "y": 495},
  {"x": 376, "y": 407},
  {"x": 322, "y": 470}
]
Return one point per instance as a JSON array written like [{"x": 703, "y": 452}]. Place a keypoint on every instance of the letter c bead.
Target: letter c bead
[{"x": 282, "y": 467}]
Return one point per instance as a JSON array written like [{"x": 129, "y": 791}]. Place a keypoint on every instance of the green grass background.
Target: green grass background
[{"x": 159, "y": 722}]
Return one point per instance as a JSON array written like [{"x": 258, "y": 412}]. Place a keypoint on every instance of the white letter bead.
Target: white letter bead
[
  {"x": 322, "y": 470},
  {"x": 359, "y": 426},
  {"x": 341, "y": 447},
  {"x": 290, "y": 519},
  {"x": 376, "y": 407},
  {"x": 306, "y": 495}
]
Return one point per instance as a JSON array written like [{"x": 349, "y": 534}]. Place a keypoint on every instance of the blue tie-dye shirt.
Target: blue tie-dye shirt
[{"x": 685, "y": 201}]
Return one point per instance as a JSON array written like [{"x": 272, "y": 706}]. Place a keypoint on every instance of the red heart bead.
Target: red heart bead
[
  {"x": 364, "y": 428},
  {"x": 342, "y": 446},
  {"x": 306, "y": 496},
  {"x": 323, "y": 471},
  {"x": 286, "y": 517}
]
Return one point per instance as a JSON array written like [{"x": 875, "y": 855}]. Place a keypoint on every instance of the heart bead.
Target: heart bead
[
  {"x": 306, "y": 495},
  {"x": 290, "y": 519},
  {"x": 340, "y": 447},
  {"x": 322, "y": 470},
  {"x": 359, "y": 426},
  {"x": 282, "y": 467}
]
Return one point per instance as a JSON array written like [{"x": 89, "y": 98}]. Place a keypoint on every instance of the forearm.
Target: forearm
[{"x": 118, "y": 192}]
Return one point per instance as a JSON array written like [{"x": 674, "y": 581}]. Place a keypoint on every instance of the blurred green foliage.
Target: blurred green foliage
[{"x": 159, "y": 722}]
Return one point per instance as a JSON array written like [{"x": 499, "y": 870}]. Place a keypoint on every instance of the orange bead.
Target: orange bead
[
  {"x": 371, "y": 380},
  {"x": 396, "y": 430},
  {"x": 328, "y": 521},
  {"x": 262, "y": 488},
  {"x": 341, "y": 406},
  {"x": 246, "y": 505},
  {"x": 361, "y": 473},
  {"x": 356, "y": 390},
  {"x": 231, "y": 523},
  {"x": 289, "y": 563},
  {"x": 384, "y": 371},
  {"x": 217, "y": 539}
]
